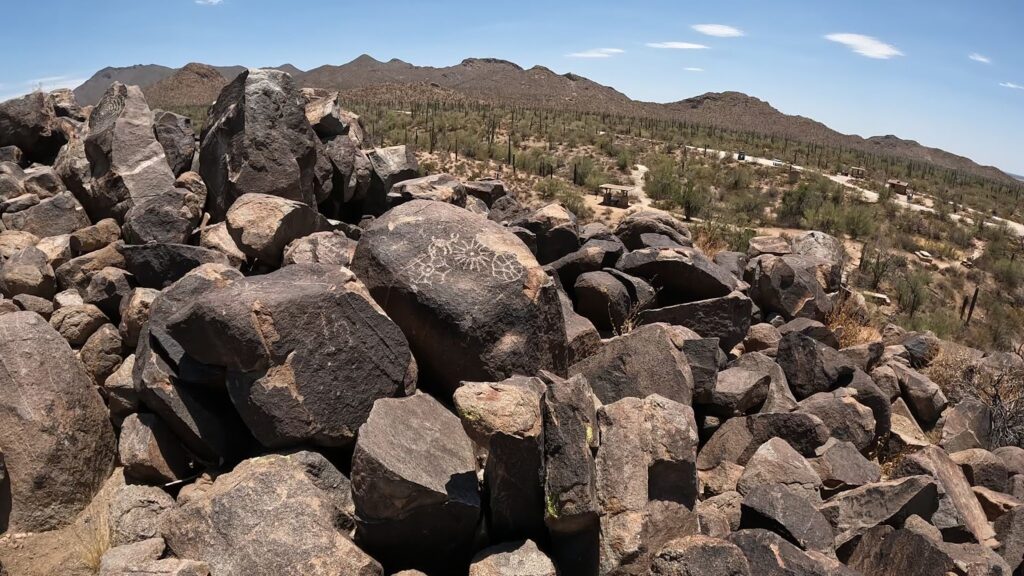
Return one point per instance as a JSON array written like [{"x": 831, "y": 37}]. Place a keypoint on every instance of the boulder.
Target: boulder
[
  {"x": 414, "y": 484},
  {"x": 776, "y": 245},
  {"x": 678, "y": 275},
  {"x": 107, "y": 289},
  {"x": 101, "y": 353},
  {"x": 854, "y": 512},
  {"x": 787, "y": 285},
  {"x": 726, "y": 318},
  {"x": 56, "y": 440},
  {"x": 77, "y": 323},
  {"x": 776, "y": 463},
  {"x": 259, "y": 141},
  {"x": 119, "y": 391},
  {"x": 77, "y": 272},
  {"x": 702, "y": 555},
  {"x": 174, "y": 133},
  {"x": 582, "y": 337},
  {"x": 306, "y": 348},
  {"x": 829, "y": 250},
  {"x": 841, "y": 466},
  {"x": 159, "y": 265},
  {"x": 811, "y": 366},
  {"x": 789, "y": 513},
  {"x": 218, "y": 238},
  {"x": 262, "y": 225},
  {"x": 30, "y": 303},
  {"x": 135, "y": 512},
  {"x": 471, "y": 298},
  {"x": 170, "y": 216},
  {"x": 150, "y": 453},
  {"x": 603, "y": 300},
  {"x": 762, "y": 337},
  {"x": 811, "y": 328},
  {"x": 275, "y": 514},
  {"x": 521, "y": 558},
  {"x": 320, "y": 248},
  {"x": 738, "y": 438},
  {"x": 888, "y": 552},
  {"x": 651, "y": 221},
  {"x": 556, "y": 230},
  {"x": 29, "y": 122},
  {"x": 505, "y": 420},
  {"x": 738, "y": 391},
  {"x": 94, "y": 237},
  {"x": 486, "y": 189},
  {"x": 923, "y": 396},
  {"x": 436, "y": 187},
  {"x": 779, "y": 398},
  {"x": 922, "y": 347},
  {"x": 28, "y": 272},
  {"x": 846, "y": 418},
  {"x": 593, "y": 256},
  {"x": 389, "y": 166},
  {"x": 129, "y": 558},
  {"x": 769, "y": 554},
  {"x": 12, "y": 241},
  {"x": 646, "y": 361},
  {"x": 60, "y": 214},
  {"x": 966, "y": 425},
  {"x": 42, "y": 181},
  {"x": 134, "y": 313},
  {"x": 983, "y": 468},
  {"x": 128, "y": 163}
]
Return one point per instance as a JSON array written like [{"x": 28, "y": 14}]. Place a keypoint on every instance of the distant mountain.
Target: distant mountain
[
  {"x": 1018, "y": 177},
  {"x": 493, "y": 80}
]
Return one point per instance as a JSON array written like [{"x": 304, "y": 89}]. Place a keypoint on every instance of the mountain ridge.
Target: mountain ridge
[{"x": 501, "y": 81}]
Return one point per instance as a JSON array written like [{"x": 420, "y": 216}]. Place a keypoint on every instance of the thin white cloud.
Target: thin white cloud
[
  {"x": 719, "y": 30},
  {"x": 693, "y": 69},
  {"x": 1011, "y": 85},
  {"x": 979, "y": 58},
  {"x": 677, "y": 45},
  {"x": 208, "y": 2},
  {"x": 865, "y": 45},
  {"x": 596, "y": 53},
  {"x": 45, "y": 84}
]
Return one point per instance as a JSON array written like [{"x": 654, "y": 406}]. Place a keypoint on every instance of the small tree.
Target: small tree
[{"x": 912, "y": 291}]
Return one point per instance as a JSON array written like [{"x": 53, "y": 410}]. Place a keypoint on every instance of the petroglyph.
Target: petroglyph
[{"x": 467, "y": 255}]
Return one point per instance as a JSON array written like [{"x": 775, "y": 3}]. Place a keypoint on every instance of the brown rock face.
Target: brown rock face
[{"x": 57, "y": 442}]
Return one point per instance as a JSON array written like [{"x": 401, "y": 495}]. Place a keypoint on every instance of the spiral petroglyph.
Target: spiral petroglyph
[{"x": 467, "y": 255}]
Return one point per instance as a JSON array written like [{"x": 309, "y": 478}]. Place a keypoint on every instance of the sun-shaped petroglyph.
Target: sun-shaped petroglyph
[{"x": 466, "y": 255}]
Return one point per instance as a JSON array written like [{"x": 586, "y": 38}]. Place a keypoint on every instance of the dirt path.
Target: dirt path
[{"x": 639, "y": 174}]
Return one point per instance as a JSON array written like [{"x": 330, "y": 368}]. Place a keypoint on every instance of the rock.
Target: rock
[
  {"x": 864, "y": 356},
  {"x": 769, "y": 554},
  {"x": 789, "y": 513},
  {"x": 841, "y": 466},
  {"x": 77, "y": 272},
  {"x": 135, "y": 513},
  {"x": 738, "y": 391},
  {"x": 855, "y": 512},
  {"x": 119, "y": 391},
  {"x": 603, "y": 300},
  {"x": 995, "y": 504},
  {"x": 352, "y": 172},
  {"x": 121, "y": 559},
  {"x": 218, "y": 238},
  {"x": 1012, "y": 457},
  {"x": 262, "y": 225},
  {"x": 905, "y": 433},
  {"x": 738, "y": 439},
  {"x": 414, "y": 484},
  {"x": 867, "y": 393},
  {"x": 811, "y": 328},
  {"x": 780, "y": 398},
  {"x": 983, "y": 468},
  {"x": 56, "y": 248},
  {"x": 776, "y": 463},
  {"x": 389, "y": 167},
  {"x": 30, "y": 303},
  {"x": 828, "y": 250},
  {"x": 134, "y": 313},
  {"x": 705, "y": 357},
  {"x": 726, "y": 318},
  {"x": 776, "y": 245},
  {"x": 259, "y": 141},
  {"x": 966, "y": 425},
  {"x": 101, "y": 353},
  {"x": 505, "y": 419},
  {"x": 60, "y": 214},
  {"x": 593, "y": 256},
  {"x": 328, "y": 119},
  {"x": 175, "y": 135},
  {"x": 94, "y": 237},
  {"x": 107, "y": 288},
  {"x": 923, "y": 396},
  {"x": 583, "y": 338},
  {"x": 512, "y": 559},
  {"x": 646, "y": 361},
  {"x": 69, "y": 297},
  {"x": 923, "y": 347},
  {"x": 678, "y": 275},
  {"x": 810, "y": 366},
  {"x": 27, "y": 272},
  {"x": 128, "y": 163},
  {"x": 787, "y": 285},
  {"x": 291, "y": 380},
  {"x": 905, "y": 552},
  {"x": 150, "y": 452},
  {"x": 56, "y": 440},
  {"x": 700, "y": 555},
  {"x": 846, "y": 418},
  {"x": 270, "y": 515},
  {"x": 647, "y": 453},
  {"x": 29, "y": 122},
  {"x": 43, "y": 182},
  {"x": 1009, "y": 529},
  {"x": 13, "y": 241},
  {"x": 762, "y": 338},
  {"x": 320, "y": 248},
  {"x": 436, "y": 187},
  {"x": 556, "y": 230},
  {"x": 650, "y": 220},
  {"x": 486, "y": 189},
  {"x": 471, "y": 298},
  {"x": 77, "y": 323},
  {"x": 19, "y": 202},
  {"x": 10, "y": 154},
  {"x": 160, "y": 265},
  {"x": 170, "y": 216}
]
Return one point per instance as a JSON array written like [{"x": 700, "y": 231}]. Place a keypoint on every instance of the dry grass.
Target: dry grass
[
  {"x": 960, "y": 377},
  {"x": 92, "y": 534},
  {"x": 850, "y": 325}
]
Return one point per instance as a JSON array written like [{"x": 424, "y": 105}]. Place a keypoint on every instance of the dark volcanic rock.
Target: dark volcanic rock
[
  {"x": 470, "y": 297},
  {"x": 726, "y": 318},
  {"x": 160, "y": 265},
  {"x": 60, "y": 214},
  {"x": 259, "y": 141},
  {"x": 679, "y": 275},
  {"x": 56, "y": 440},
  {"x": 262, "y": 225},
  {"x": 788, "y": 285},
  {"x": 789, "y": 513},
  {"x": 175, "y": 135},
  {"x": 812, "y": 367},
  {"x": 30, "y": 124},
  {"x": 414, "y": 484}
]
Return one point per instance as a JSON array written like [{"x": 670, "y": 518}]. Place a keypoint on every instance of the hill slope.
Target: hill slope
[{"x": 194, "y": 84}]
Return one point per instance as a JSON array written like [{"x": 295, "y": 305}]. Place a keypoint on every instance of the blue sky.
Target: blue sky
[{"x": 867, "y": 67}]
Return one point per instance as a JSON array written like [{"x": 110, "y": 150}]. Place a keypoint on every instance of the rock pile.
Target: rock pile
[{"x": 307, "y": 358}]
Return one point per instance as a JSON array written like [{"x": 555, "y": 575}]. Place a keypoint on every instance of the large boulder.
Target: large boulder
[
  {"x": 788, "y": 512},
  {"x": 306, "y": 348},
  {"x": 467, "y": 293},
  {"x": 436, "y": 187},
  {"x": 276, "y": 514},
  {"x": 812, "y": 367},
  {"x": 262, "y": 225},
  {"x": 174, "y": 133},
  {"x": 701, "y": 555},
  {"x": 828, "y": 250},
  {"x": 414, "y": 484},
  {"x": 56, "y": 439},
  {"x": 856, "y": 511},
  {"x": 512, "y": 559},
  {"x": 389, "y": 167},
  {"x": 648, "y": 360},
  {"x": 776, "y": 462},
  {"x": 788, "y": 285},
  {"x": 846, "y": 418},
  {"x": 738, "y": 438},
  {"x": 27, "y": 272},
  {"x": 678, "y": 274},
  {"x": 259, "y": 141},
  {"x": 651, "y": 221},
  {"x": 726, "y": 318},
  {"x": 170, "y": 216},
  {"x": 30, "y": 123},
  {"x": 60, "y": 214},
  {"x": 128, "y": 163}
]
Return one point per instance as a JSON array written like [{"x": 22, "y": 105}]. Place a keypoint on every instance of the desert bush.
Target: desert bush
[
  {"x": 1002, "y": 390},
  {"x": 912, "y": 291},
  {"x": 92, "y": 534}
]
